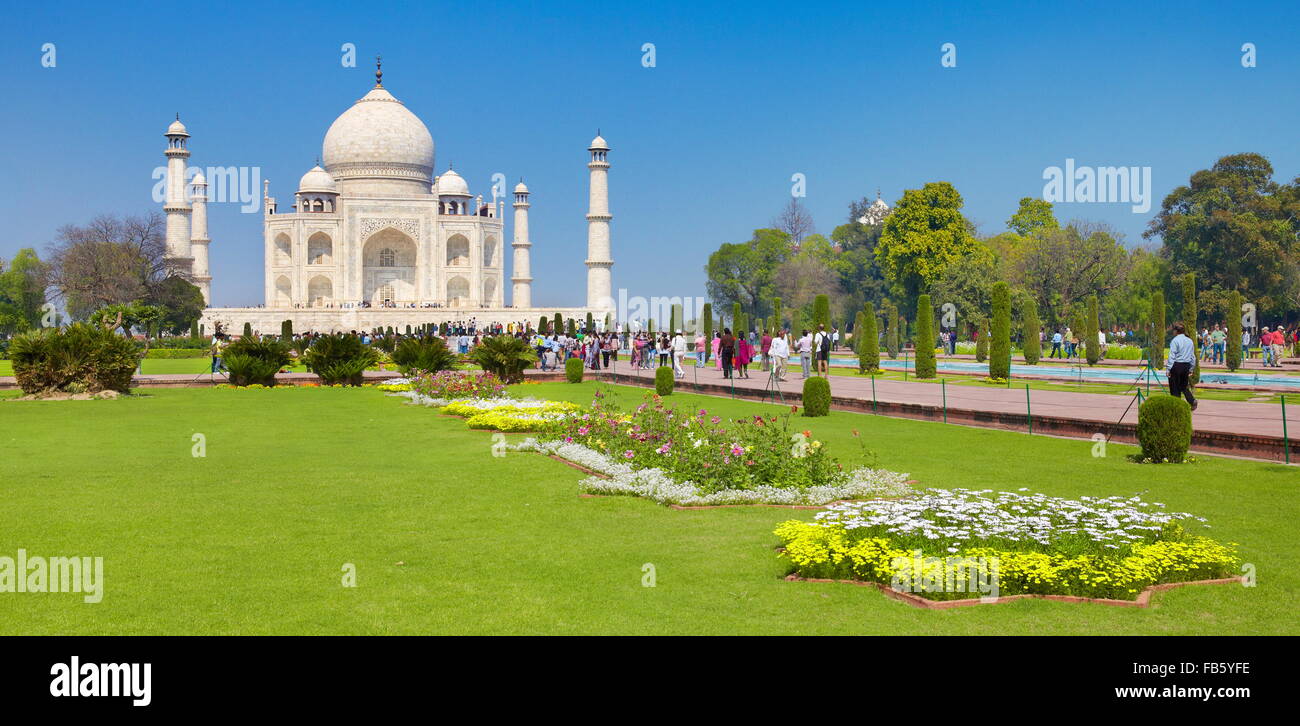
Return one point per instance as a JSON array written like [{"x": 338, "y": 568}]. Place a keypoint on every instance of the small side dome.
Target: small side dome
[
  {"x": 452, "y": 184},
  {"x": 598, "y": 144},
  {"x": 199, "y": 180},
  {"x": 521, "y": 188},
  {"x": 317, "y": 180},
  {"x": 177, "y": 129}
]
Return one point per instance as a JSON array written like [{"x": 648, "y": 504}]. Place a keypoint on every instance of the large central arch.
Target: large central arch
[{"x": 388, "y": 267}]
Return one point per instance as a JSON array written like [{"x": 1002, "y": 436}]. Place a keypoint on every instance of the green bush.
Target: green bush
[
  {"x": 892, "y": 322},
  {"x": 248, "y": 330},
  {"x": 982, "y": 346},
  {"x": 423, "y": 355},
  {"x": 340, "y": 359},
  {"x": 925, "y": 363},
  {"x": 1033, "y": 347},
  {"x": 573, "y": 370},
  {"x": 505, "y": 356},
  {"x": 253, "y": 361},
  {"x": 286, "y": 331},
  {"x": 75, "y": 359},
  {"x": 1000, "y": 332},
  {"x": 868, "y": 341},
  {"x": 816, "y": 396},
  {"x": 664, "y": 380},
  {"x": 1164, "y": 428},
  {"x": 822, "y": 312}
]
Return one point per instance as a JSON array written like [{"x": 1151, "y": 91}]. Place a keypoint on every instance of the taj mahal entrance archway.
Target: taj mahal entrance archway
[{"x": 388, "y": 268}]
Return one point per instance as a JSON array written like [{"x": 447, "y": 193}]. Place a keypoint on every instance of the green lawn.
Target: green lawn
[{"x": 252, "y": 538}]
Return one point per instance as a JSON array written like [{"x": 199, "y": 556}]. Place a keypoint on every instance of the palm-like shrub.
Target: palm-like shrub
[
  {"x": 573, "y": 370},
  {"x": 78, "y": 358},
  {"x": 427, "y": 355},
  {"x": 504, "y": 355},
  {"x": 253, "y": 361},
  {"x": 340, "y": 359}
]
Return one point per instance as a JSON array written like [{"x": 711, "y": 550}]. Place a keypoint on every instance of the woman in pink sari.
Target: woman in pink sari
[
  {"x": 744, "y": 352},
  {"x": 717, "y": 355}
]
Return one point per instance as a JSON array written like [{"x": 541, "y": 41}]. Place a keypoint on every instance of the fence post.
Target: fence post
[
  {"x": 1029, "y": 415},
  {"x": 1286, "y": 442}
]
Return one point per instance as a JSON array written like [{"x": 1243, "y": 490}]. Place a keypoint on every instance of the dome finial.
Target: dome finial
[{"x": 379, "y": 72}]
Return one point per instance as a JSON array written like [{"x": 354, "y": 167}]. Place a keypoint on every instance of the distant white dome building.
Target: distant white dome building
[
  {"x": 371, "y": 229},
  {"x": 876, "y": 213}
]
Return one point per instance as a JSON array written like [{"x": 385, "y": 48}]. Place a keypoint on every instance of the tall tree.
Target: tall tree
[
  {"x": 795, "y": 221},
  {"x": 1033, "y": 216},
  {"x": 23, "y": 283},
  {"x": 110, "y": 260},
  {"x": 1062, "y": 267},
  {"x": 923, "y": 236},
  {"x": 745, "y": 273},
  {"x": 1236, "y": 229}
]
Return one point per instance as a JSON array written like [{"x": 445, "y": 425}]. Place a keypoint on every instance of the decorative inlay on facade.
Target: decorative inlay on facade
[{"x": 411, "y": 227}]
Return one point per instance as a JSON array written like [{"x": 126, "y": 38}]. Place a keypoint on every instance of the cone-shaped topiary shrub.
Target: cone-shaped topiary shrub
[
  {"x": 816, "y": 396},
  {"x": 1090, "y": 336},
  {"x": 1033, "y": 346},
  {"x": 1164, "y": 428},
  {"x": 1189, "y": 322},
  {"x": 869, "y": 342},
  {"x": 573, "y": 370},
  {"x": 664, "y": 380},
  {"x": 925, "y": 363},
  {"x": 1233, "y": 357},
  {"x": 1000, "y": 333}
]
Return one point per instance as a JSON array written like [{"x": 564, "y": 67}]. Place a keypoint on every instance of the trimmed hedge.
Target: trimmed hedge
[
  {"x": 573, "y": 370},
  {"x": 1189, "y": 322},
  {"x": 1233, "y": 357},
  {"x": 1164, "y": 428},
  {"x": 868, "y": 341},
  {"x": 1000, "y": 333},
  {"x": 664, "y": 380},
  {"x": 816, "y": 396},
  {"x": 1091, "y": 332},
  {"x": 925, "y": 363},
  {"x": 1033, "y": 347}
]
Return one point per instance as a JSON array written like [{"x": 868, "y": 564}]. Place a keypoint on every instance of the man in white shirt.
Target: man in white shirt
[
  {"x": 679, "y": 352},
  {"x": 804, "y": 348},
  {"x": 780, "y": 352}
]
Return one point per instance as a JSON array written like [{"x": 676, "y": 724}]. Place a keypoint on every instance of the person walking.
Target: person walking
[
  {"x": 780, "y": 352},
  {"x": 1056, "y": 344},
  {"x": 679, "y": 352},
  {"x": 804, "y": 348},
  {"x": 726, "y": 351},
  {"x": 822, "y": 342},
  {"x": 700, "y": 349},
  {"x": 1219, "y": 340},
  {"x": 744, "y": 354},
  {"x": 1182, "y": 356},
  {"x": 216, "y": 348}
]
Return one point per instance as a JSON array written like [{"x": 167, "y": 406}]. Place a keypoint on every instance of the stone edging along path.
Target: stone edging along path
[{"x": 1143, "y": 599}]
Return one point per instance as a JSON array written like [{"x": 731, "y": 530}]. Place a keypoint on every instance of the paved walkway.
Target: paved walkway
[{"x": 1237, "y": 417}]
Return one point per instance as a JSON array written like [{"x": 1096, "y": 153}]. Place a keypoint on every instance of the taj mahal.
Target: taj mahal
[{"x": 374, "y": 239}]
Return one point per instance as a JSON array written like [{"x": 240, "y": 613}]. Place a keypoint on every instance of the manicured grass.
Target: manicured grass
[{"x": 297, "y": 482}]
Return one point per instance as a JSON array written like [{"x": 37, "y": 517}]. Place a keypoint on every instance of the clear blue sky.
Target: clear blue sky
[{"x": 852, "y": 95}]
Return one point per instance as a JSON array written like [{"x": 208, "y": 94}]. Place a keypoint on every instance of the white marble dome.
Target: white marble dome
[
  {"x": 521, "y": 188},
  {"x": 317, "y": 180},
  {"x": 379, "y": 138},
  {"x": 176, "y": 128},
  {"x": 452, "y": 184}
]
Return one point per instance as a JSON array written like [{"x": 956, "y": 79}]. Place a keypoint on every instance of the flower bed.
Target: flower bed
[
  {"x": 938, "y": 545},
  {"x": 453, "y": 384},
  {"x": 621, "y": 476},
  {"x": 510, "y": 414}
]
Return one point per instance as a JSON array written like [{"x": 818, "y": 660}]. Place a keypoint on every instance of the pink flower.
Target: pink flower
[
  {"x": 582, "y": 430},
  {"x": 715, "y": 419},
  {"x": 628, "y": 454},
  {"x": 664, "y": 449},
  {"x": 568, "y": 439}
]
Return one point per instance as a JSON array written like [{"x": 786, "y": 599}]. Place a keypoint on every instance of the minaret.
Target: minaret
[
  {"x": 177, "y": 208},
  {"x": 522, "y": 296},
  {"x": 599, "y": 289},
  {"x": 199, "y": 237}
]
